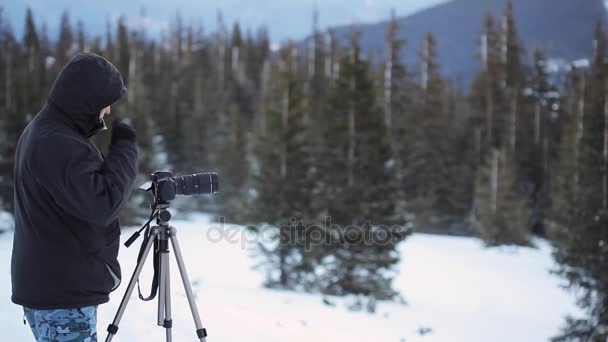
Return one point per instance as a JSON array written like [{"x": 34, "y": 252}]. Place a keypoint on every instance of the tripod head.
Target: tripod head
[
  {"x": 160, "y": 212},
  {"x": 163, "y": 214}
]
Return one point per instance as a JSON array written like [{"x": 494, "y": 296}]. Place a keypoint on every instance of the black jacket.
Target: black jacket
[{"x": 67, "y": 196}]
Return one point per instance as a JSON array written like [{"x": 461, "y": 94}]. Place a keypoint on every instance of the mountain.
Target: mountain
[
  {"x": 290, "y": 19},
  {"x": 562, "y": 28}
]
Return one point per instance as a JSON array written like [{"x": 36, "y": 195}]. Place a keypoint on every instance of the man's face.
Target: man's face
[{"x": 104, "y": 112}]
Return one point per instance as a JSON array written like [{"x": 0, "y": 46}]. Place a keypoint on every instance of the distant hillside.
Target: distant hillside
[
  {"x": 285, "y": 19},
  {"x": 563, "y": 28}
]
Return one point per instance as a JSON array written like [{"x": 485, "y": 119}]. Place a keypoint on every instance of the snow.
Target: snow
[
  {"x": 555, "y": 65},
  {"x": 6, "y": 221},
  {"x": 560, "y": 65},
  {"x": 581, "y": 63},
  {"x": 455, "y": 288}
]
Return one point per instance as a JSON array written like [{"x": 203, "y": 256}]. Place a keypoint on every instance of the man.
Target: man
[{"x": 67, "y": 199}]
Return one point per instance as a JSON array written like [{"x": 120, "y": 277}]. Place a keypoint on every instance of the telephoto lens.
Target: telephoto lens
[{"x": 196, "y": 184}]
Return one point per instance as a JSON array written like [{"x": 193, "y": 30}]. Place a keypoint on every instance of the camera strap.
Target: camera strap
[{"x": 154, "y": 288}]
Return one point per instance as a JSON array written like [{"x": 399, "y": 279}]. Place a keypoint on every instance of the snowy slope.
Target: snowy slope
[{"x": 453, "y": 286}]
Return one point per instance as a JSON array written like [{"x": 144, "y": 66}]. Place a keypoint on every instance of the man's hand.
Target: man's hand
[{"x": 122, "y": 131}]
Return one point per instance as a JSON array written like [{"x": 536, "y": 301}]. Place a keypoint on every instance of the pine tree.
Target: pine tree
[
  {"x": 201, "y": 65},
  {"x": 237, "y": 109},
  {"x": 398, "y": 93},
  {"x": 317, "y": 79},
  {"x": 123, "y": 52},
  {"x": 463, "y": 162},
  {"x": 64, "y": 44},
  {"x": 485, "y": 87},
  {"x": 137, "y": 107},
  {"x": 140, "y": 101},
  {"x": 34, "y": 69},
  {"x": 283, "y": 182},
  {"x": 12, "y": 120},
  {"x": 81, "y": 37},
  {"x": 46, "y": 63},
  {"x": 496, "y": 97},
  {"x": 581, "y": 237},
  {"x": 502, "y": 211},
  {"x": 565, "y": 180},
  {"x": 177, "y": 77},
  {"x": 537, "y": 137},
  {"x": 109, "y": 50},
  {"x": 358, "y": 188},
  {"x": 22, "y": 95},
  {"x": 429, "y": 166},
  {"x": 511, "y": 49}
]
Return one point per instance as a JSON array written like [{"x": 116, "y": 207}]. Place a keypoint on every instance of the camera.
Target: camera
[{"x": 164, "y": 186}]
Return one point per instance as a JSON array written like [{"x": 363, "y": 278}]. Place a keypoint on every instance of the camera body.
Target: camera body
[{"x": 165, "y": 186}]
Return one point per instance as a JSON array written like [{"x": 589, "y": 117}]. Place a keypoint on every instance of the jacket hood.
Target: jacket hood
[{"x": 86, "y": 85}]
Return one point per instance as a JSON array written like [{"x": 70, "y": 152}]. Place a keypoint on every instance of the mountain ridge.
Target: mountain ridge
[{"x": 563, "y": 29}]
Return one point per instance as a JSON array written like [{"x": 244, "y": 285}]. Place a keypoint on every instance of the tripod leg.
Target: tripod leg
[
  {"x": 164, "y": 296},
  {"x": 161, "y": 284},
  {"x": 168, "y": 319},
  {"x": 113, "y": 328},
  {"x": 200, "y": 331}
]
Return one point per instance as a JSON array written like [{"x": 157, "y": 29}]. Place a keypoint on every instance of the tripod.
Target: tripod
[{"x": 159, "y": 236}]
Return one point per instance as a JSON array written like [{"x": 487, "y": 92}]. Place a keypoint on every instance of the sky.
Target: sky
[{"x": 290, "y": 19}]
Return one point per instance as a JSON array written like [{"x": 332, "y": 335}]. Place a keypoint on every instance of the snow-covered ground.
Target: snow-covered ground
[
  {"x": 6, "y": 221},
  {"x": 453, "y": 286}
]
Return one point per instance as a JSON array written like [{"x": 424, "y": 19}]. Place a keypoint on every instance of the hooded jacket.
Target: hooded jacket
[{"x": 68, "y": 196}]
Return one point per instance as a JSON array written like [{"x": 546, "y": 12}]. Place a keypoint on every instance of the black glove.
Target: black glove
[{"x": 122, "y": 131}]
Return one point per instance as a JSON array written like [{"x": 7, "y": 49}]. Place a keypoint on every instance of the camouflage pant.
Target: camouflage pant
[{"x": 63, "y": 325}]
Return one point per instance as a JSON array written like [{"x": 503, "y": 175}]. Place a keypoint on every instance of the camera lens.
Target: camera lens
[{"x": 196, "y": 184}]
